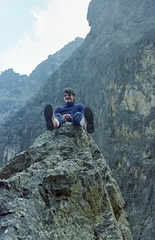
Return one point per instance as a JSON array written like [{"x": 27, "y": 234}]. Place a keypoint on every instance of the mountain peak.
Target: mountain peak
[{"x": 61, "y": 188}]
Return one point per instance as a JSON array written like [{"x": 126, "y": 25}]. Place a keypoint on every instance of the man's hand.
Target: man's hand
[{"x": 67, "y": 116}]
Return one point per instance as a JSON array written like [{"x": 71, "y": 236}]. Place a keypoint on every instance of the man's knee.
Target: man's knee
[
  {"x": 77, "y": 118},
  {"x": 60, "y": 118}
]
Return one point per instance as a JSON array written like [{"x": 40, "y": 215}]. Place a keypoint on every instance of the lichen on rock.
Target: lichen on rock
[{"x": 61, "y": 188}]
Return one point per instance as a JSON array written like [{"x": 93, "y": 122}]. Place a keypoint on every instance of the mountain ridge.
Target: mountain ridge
[{"x": 16, "y": 89}]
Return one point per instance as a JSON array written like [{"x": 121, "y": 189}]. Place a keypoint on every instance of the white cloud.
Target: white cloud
[
  {"x": 61, "y": 23},
  {"x": 35, "y": 11}
]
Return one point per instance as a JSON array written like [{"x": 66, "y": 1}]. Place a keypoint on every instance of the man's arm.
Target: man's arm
[{"x": 67, "y": 116}]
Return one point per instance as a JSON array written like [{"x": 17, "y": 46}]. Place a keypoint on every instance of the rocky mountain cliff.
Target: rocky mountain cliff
[
  {"x": 16, "y": 89},
  {"x": 113, "y": 72},
  {"x": 61, "y": 188}
]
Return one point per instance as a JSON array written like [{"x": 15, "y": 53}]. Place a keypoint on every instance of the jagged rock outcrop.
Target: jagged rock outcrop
[
  {"x": 113, "y": 72},
  {"x": 61, "y": 188}
]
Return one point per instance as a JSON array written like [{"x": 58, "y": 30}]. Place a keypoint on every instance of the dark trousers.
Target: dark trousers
[{"x": 75, "y": 119}]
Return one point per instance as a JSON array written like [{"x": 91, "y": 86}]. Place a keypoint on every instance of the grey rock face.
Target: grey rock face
[
  {"x": 61, "y": 188},
  {"x": 128, "y": 129}
]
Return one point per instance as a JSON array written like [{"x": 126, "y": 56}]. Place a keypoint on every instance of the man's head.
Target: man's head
[{"x": 69, "y": 94}]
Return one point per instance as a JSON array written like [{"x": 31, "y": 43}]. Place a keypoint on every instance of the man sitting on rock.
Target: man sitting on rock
[{"x": 70, "y": 112}]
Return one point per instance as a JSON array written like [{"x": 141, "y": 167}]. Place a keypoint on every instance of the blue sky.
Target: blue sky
[
  {"x": 15, "y": 18},
  {"x": 33, "y": 29}
]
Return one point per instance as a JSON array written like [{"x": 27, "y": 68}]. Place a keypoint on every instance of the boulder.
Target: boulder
[{"x": 61, "y": 188}]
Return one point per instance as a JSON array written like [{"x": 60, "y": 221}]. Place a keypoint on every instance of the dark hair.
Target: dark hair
[{"x": 69, "y": 90}]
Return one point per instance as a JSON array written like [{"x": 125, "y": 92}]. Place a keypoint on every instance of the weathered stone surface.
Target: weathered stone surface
[{"x": 61, "y": 188}]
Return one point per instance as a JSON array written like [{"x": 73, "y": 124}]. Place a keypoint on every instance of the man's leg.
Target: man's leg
[
  {"x": 49, "y": 117},
  {"x": 86, "y": 121},
  {"x": 77, "y": 119},
  {"x": 51, "y": 120}
]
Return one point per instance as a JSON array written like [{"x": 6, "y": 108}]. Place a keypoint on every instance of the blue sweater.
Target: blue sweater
[{"x": 70, "y": 108}]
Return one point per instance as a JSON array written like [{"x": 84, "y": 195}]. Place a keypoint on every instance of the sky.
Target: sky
[{"x": 30, "y": 30}]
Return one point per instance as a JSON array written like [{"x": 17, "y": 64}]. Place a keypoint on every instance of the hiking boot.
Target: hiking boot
[
  {"x": 48, "y": 113},
  {"x": 89, "y": 120}
]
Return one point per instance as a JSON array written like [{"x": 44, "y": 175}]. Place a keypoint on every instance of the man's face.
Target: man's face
[{"x": 68, "y": 97}]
